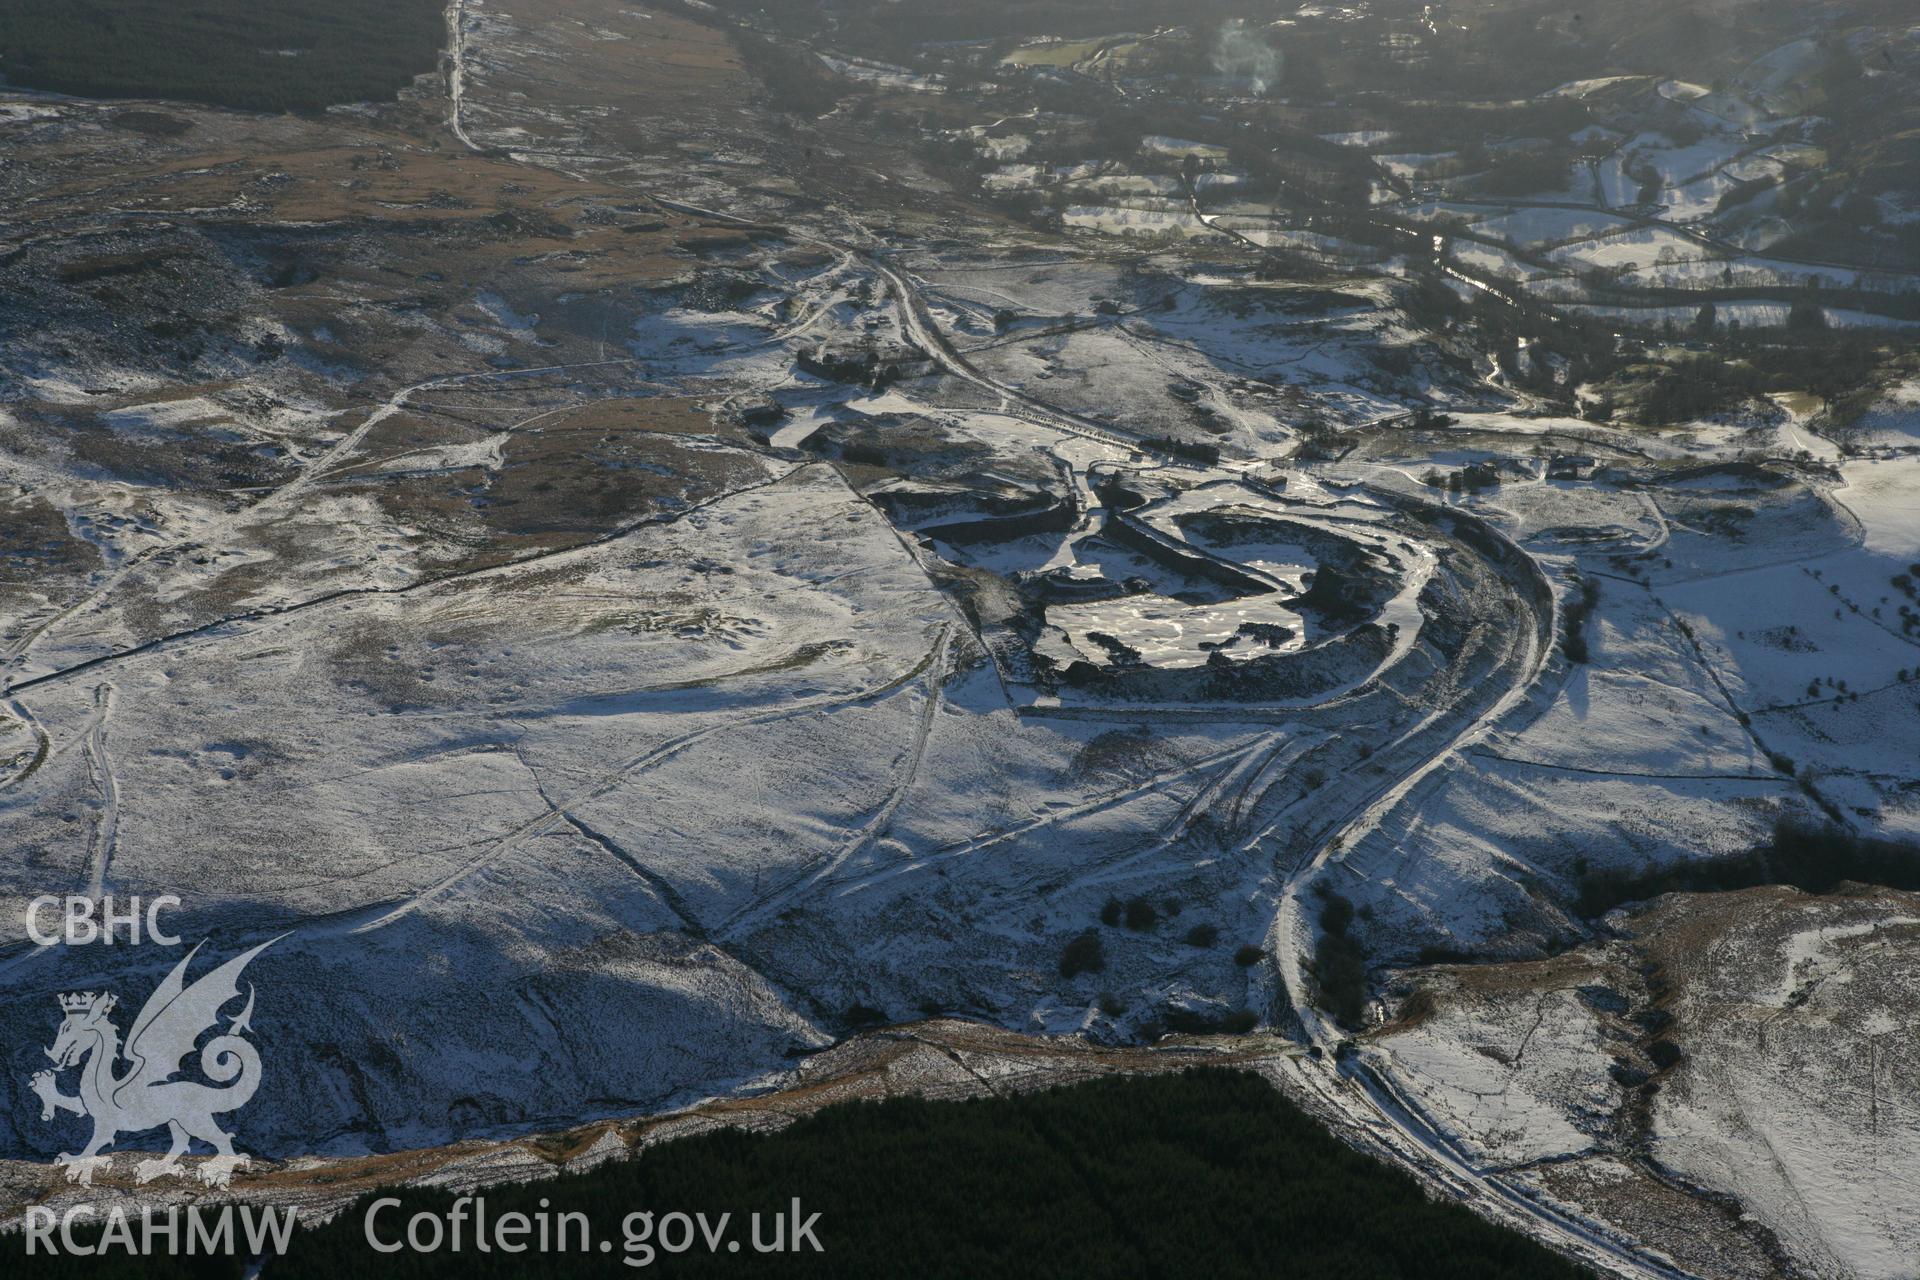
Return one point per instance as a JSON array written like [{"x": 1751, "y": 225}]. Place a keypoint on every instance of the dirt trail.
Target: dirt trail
[{"x": 107, "y": 830}]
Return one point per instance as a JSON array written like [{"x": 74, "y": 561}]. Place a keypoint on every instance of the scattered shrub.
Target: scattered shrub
[
  {"x": 1192, "y": 1022},
  {"x": 1340, "y": 963},
  {"x": 1084, "y": 954},
  {"x": 1340, "y": 970},
  {"x": 1574, "y": 642},
  {"x": 1419, "y": 1004},
  {"x": 1186, "y": 450},
  {"x": 1336, "y": 914},
  {"x": 864, "y": 1015}
]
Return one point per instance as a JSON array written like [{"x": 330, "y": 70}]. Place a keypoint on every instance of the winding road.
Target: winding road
[{"x": 1362, "y": 1090}]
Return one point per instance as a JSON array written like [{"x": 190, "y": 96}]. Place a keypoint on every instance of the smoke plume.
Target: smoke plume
[{"x": 1243, "y": 53}]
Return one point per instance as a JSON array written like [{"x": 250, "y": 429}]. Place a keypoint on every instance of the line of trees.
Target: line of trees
[
  {"x": 1202, "y": 1173},
  {"x": 1808, "y": 856}
]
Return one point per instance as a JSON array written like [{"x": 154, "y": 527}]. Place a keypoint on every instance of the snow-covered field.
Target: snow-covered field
[
  {"x": 632, "y": 618},
  {"x": 1786, "y": 1044}
]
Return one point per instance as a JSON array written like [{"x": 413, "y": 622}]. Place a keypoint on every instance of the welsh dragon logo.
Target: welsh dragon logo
[{"x": 145, "y": 1093}]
